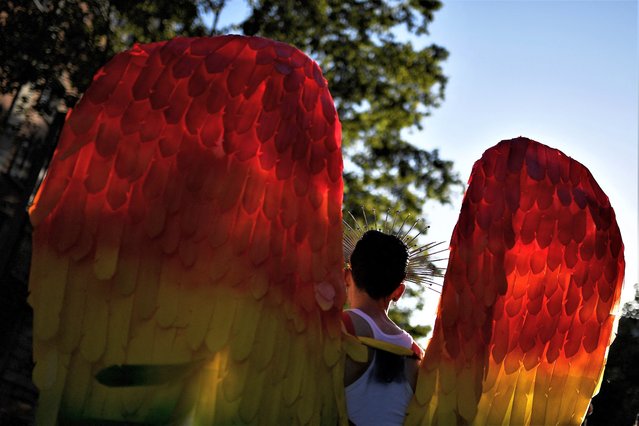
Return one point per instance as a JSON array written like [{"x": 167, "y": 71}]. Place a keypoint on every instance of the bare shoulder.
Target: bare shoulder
[
  {"x": 361, "y": 326},
  {"x": 353, "y": 370}
]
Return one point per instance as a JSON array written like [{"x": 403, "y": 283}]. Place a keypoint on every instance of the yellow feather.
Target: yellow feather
[
  {"x": 570, "y": 397},
  {"x": 158, "y": 408},
  {"x": 200, "y": 309},
  {"x": 293, "y": 377},
  {"x": 169, "y": 292},
  {"x": 120, "y": 309},
  {"x": 111, "y": 405},
  {"x": 162, "y": 347},
  {"x": 95, "y": 325},
  {"x": 445, "y": 412},
  {"x": 272, "y": 409},
  {"x": 447, "y": 377},
  {"x": 76, "y": 387},
  {"x": 45, "y": 370},
  {"x": 252, "y": 396},
  {"x": 192, "y": 297},
  {"x": 142, "y": 337},
  {"x": 72, "y": 316},
  {"x": 483, "y": 408},
  {"x": 540, "y": 393},
  {"x": 141, "y": 341},
  {"x": 246, "y": 321},
  {"x": 556, "y": 389},
  {"x": 425, "y": 388},
  {"x": 265, "y": 338},
  {"x": 522, "y": 401},
  {"x": 226, "y": 408},
  {"x": 126, "y": 277},
  {"x": 282, "y": 354},
  {"x": 205, "y": 393},
  {"x": 107, "y": 245},
  {"x": 235, "y": 381},
  {"x": 332, "y": 351},
  {"x": 338, "y": 389},
  {"x": 94, "y": 405},
  {"x": 50, "y": 397},
  {"x": 493, "y": 371},
  {"x": 466, "y": 399},
  {"x": 146, "y": 294},
  {"x": 180, "y": 348},
  {"x": 583, "y": 400},
  {"x": 49, "y": 272},
  {"x": 354, "y": 348},
  {"x": 131, "y": 400},
  {"x": 223, "y": 316},
  {"x": 575, "y": 404},
  {"x": 502, "y": 398},
  {"x": 308, "y": 394}
]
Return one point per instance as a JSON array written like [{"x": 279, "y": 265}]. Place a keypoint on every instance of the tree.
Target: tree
[
  {"x": 618, "y": 400},
  {"x": 382, "y": 85},
  {"x": 64, "y": 42},
  {"x": 631, "y": 308}
]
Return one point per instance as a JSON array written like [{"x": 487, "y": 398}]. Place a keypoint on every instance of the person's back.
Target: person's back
[
  {"x": 373, "y": 400},
  {"x": 378, "y": 392}
]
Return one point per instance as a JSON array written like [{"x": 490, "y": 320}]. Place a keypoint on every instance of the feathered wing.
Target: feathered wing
[
  {"x": 192, "y": 216},
  {"x": 526, "y": 316}
]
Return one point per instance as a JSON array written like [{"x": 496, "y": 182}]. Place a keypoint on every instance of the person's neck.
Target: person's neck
[{"x": 371, "y": 307}]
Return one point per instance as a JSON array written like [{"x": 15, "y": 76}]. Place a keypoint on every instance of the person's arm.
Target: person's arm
[
  {"x": 410, "y": 368},
  {"x": 353, "y": 370}
]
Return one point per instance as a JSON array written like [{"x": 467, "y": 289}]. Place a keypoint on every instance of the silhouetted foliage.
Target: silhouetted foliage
[{"x": 618, "y": 400}]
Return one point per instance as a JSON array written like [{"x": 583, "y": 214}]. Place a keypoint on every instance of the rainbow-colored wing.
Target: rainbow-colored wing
[
  {"x": 192, "y": 216},
  {"x": 535, "y": 272}
]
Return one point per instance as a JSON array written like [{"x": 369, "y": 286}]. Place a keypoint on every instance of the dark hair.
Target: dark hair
[
  {"x": 379, "y": 263},
  {"x": 389, "y": 367}
]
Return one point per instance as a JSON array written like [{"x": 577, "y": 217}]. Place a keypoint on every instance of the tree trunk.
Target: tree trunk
[
  {"x": 11, "y": 233},
  {"x": 5, "y": 119}
]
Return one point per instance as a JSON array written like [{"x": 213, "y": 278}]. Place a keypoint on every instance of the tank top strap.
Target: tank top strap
[
  {"x": 374, "y": 327},
  {"x": 402, "y": 340}
]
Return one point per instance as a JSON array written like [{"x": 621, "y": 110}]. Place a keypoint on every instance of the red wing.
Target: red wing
[
  {"x": 526, "y": 316},
  {"x": 192, "y": 212}
]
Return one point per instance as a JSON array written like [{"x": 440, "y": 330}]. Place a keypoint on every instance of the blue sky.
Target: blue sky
[{"x": 564, "y": 73}]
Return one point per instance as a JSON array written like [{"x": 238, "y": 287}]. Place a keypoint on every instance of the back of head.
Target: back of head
[{"x": 379, "y": 263}]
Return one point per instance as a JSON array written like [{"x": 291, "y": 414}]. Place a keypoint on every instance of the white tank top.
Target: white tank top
[{"x": 370, "y": 402}]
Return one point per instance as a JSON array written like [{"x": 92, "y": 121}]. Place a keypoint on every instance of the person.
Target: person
[{"x": 378, "y": 391}]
